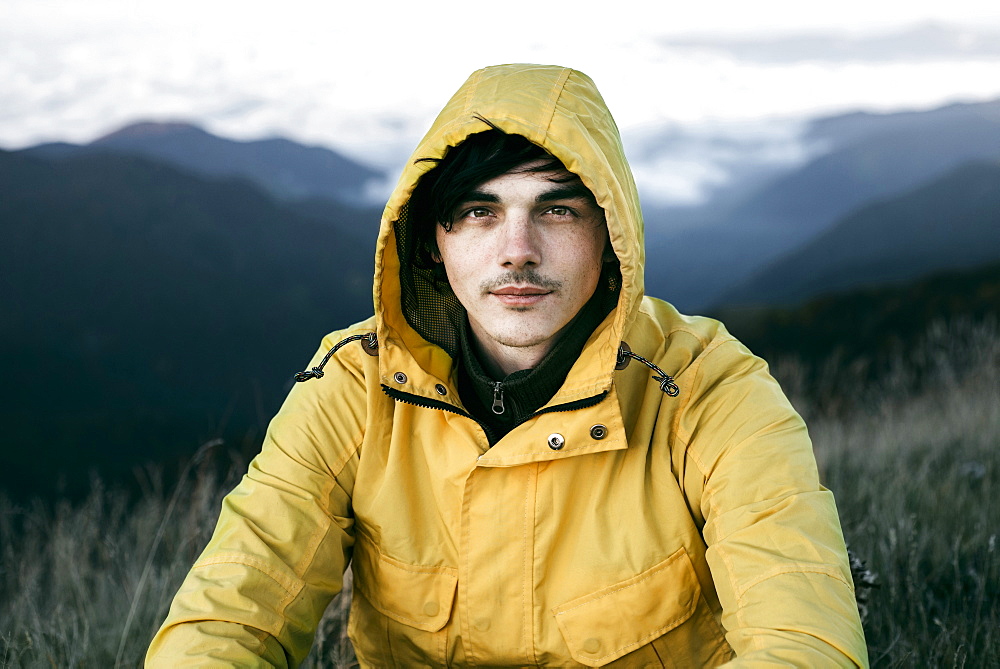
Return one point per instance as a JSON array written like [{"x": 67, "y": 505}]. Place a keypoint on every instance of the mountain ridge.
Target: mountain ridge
[
  {"x": 948, "y": 223},
  {"x": 873, "y": 323},
  {"x": 286, "y": 169},
  {"x": 873, "y": 158}
]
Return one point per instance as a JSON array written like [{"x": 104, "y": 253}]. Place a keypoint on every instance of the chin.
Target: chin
[{"x": 522, "y": 339}]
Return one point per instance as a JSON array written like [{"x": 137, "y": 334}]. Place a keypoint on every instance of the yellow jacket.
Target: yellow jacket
[{"x": 659, "y": 530}]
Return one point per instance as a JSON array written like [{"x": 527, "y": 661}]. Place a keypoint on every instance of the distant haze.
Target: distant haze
[{"x": 367, "y": 79}]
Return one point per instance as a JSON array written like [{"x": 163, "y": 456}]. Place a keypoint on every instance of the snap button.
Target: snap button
[
  {"x": 431, "y": 608},
  {"x": 591, "y": 645},
  {"x": 482, "y": 624},
  {"x": 441, "y": 390},
  {"x": 598, "y": 431},
  {"x": 399, "y": 377},
  {"x": 556, "y": 441}
]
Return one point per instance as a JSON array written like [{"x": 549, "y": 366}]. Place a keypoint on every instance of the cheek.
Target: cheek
[
  {"x": 589, "y": 250},
  {"x": 454, "y": 247},
  {"x": 446, "y": 252},
  {"x": 590, "y": 261},
  {"x": 460, "y": 265}
]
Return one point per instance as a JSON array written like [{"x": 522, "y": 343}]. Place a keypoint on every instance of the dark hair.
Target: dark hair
[{"x": 481, "y": 157}]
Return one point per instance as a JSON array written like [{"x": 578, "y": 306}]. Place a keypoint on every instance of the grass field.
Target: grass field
[{"x": 911, "y": 455}]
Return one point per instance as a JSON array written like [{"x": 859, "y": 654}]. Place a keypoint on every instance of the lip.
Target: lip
[
  {"x": 520, "y": 290},
  {"x": 520, "y": 295}
]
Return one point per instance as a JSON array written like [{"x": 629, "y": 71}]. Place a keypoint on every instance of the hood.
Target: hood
[{"x": 562, "y": 111}]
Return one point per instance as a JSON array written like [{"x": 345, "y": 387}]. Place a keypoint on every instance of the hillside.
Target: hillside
[
  {"x": 870, "y": 157},
  {"x": 950, "y": 223},
  {"x": 146, "y": 307},
  {"x": 871, "y": 323}
]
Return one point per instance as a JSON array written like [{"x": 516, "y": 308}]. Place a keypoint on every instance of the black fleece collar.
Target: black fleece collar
[{"x": 522, "y": 393}]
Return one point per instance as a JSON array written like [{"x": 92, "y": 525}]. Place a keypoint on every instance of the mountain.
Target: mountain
[
  {"x": 283, "y": 168},
  {"x": 869, "y": 157},
  {"x": 871, "y": 323},
  {"x": 146, "y": 309},
  {"x": 848, "y": 129},
  {"x": 950, "y": 223},
  {"x": 890, "y": 155}
]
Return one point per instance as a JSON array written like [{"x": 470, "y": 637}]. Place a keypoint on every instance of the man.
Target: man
[{"x": 524, "y": 460}]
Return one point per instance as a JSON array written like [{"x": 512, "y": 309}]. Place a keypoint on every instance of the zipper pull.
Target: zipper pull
[{"x": 498, "y": 397}]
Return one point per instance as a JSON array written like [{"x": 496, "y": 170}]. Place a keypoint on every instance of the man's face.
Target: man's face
[{"x": 523, "y": 256}]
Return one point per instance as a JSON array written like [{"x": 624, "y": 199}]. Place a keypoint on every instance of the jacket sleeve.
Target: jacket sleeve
[
  {"x": 283, "y": 540},
  {"x": 775, "y": 546}
]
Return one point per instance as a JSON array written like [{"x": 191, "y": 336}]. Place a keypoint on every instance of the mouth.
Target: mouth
[{"x": 520, "y": 295}]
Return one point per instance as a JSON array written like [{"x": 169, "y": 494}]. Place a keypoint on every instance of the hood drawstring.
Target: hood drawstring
[
  {"x": 667, "y": 383},
  {"x": 370, "y": 343}
]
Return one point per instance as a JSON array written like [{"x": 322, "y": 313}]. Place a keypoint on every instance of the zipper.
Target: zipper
[
  {"x": 416, "y": 400},
  {"x": 498, "y": 397},
  {"x": 572, "y": 406}
]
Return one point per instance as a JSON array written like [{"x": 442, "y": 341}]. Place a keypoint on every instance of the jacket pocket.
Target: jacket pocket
[
  {"x": 400, "y": 611},
  {"x": 414, "y": 595},
  {"x": 605, "y": 625}
]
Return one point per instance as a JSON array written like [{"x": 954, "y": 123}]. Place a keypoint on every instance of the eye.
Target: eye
[
  {"x": 560, "y": 210},
  {"x": 474, "y": 213}
]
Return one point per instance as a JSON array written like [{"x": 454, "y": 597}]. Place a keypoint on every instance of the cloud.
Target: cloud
[
  {"x": 687, "y": 165},
  {"x": 346, "y": 77},
  {"x": 922, "y": 43}
]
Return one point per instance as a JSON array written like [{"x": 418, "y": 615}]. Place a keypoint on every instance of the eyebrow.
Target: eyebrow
[
  {"x": 478, "y": 196},
  {"x": 570, "y": 191}
]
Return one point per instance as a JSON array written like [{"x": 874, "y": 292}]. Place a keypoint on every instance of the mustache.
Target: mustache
[{"x": 529, "y": 276}]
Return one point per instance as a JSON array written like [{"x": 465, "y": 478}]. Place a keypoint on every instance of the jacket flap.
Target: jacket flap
[
  {"x": 414, "y": 595},
  {"x": 605, "y": 625}
]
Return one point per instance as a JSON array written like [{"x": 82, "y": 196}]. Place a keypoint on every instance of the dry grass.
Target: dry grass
[
  {"x": 916, "y": 478},
  {"x": 87, "y": 585},
  {"x": 913, "y": 459}
]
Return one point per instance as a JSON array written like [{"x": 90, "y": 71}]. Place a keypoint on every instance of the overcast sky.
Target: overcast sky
[{"x": 368, "y": 77}]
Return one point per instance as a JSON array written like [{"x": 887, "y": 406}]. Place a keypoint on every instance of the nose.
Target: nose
[{"x": 519, "y": 243}]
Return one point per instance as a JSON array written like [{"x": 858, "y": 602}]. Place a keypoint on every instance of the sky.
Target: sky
[{"x": 368, "y": 78}]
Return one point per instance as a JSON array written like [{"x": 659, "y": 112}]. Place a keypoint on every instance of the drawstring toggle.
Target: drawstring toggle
[
  {"x": 370, "y": 344},
  {"x": 667, "y": 383}
]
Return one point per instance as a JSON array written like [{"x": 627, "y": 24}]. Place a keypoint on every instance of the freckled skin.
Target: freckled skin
[{"x": 522, "y": 263}]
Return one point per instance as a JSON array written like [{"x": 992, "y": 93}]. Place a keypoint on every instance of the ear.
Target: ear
[{"x": 609, "y": 253}]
